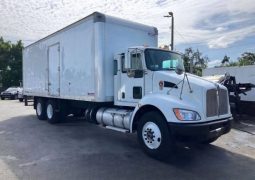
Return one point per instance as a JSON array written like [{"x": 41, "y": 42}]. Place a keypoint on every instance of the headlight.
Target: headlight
[{"x": 186, "y": 115}]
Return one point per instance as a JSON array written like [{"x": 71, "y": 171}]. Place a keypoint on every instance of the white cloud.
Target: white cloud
[
  {"x": 219, "y": 29},
  {"x": 31, "y": 20},
  {"x": 214, "y": 63},
  {"x": 231, "y": 37}
]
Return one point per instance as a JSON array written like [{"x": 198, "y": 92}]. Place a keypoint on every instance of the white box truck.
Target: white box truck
[{"x": 112, "y": 70}]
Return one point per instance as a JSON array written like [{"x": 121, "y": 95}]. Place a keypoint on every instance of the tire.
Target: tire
[
  {"x": 52, "y": 112},
  {"x": 20, "y": 99},
  {"x": 209, "y": 141},
  {"x": 154, "y": 136},
  {"x": 2, "y": 98},
  {"x": 90, "y": 114},
  {"x": 40, "y": 109}
]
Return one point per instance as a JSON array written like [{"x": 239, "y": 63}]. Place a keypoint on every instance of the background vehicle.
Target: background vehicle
[
  {"x": 10, "y": 93},
  {"x": 240, "y": 82},
  {"x": 110, "y": 70}
]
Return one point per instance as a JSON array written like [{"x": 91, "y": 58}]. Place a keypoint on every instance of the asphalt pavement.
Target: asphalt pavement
[{"x": 33, "y": 149}]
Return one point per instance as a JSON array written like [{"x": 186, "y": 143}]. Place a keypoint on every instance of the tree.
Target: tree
[
  {"x": 10, "y": 63},
  {"x": 188, "y": 59},
  {"x": 236, "y": 63},
  {"x": 247, "y": 58},
  {"x": 225, "y": 60},
  {"x": 194, "y": 61}
]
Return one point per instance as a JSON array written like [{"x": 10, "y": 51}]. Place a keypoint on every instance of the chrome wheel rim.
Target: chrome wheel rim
[
  {"x": 49, "y": 111},
  {"x": 39, "y": 109},
  {"x": 151, "y": 135}
]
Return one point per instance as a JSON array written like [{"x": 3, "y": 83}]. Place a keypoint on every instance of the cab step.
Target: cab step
[{"x": 117, "y": 129}]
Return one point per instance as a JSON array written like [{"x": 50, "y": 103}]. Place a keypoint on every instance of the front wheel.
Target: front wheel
[
  {"x": 153, "y": 135},
  {"x": 20, "y": 99},
  {"x": 2, "y": 98}
]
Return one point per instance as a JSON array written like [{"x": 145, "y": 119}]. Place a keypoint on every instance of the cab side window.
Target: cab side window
[
  {"x": 123, "y": 69},
  {"x": 136, "y": 61}
]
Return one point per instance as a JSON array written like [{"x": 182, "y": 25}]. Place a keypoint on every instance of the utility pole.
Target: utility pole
[{"x": 170, "y": 14}]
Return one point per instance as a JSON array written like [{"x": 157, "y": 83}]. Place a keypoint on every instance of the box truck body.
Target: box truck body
[
  {"x": 111, "y": 71},
  {"x": 77, "y": 61}
]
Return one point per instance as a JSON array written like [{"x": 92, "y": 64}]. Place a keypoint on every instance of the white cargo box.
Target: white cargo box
[{"x": 77, "y": 62}]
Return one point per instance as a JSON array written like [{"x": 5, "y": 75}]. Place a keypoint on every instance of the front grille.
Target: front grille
[
  {"x": 211, "y": 103},
  {"x": 223, "y": 101},
  {"x": 216, "y": 102}
]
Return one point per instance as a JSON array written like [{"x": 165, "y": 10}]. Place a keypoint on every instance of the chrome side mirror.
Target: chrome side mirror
[{"x": 179, "y": 69}]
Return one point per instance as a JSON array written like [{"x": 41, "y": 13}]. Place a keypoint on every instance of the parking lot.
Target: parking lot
[{"x": 33, "y": 149}]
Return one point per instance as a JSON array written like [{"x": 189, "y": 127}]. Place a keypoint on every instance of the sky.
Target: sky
[{"x": 215, "y": 27}]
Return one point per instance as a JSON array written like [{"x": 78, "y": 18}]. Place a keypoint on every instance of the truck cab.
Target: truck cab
[
  {"x": 135, "y": 72},
  {"x": 152, "y": 81}
]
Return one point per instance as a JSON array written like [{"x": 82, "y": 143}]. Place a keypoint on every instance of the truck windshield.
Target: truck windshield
[{"x": 158, "y": 60}]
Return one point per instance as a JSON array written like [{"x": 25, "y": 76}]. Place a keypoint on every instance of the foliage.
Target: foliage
[
  {"x": 233, "y": 64},
  {"x": 247, "y": 58},
  {"x": 225, "y": 60},
  {"x": 10, "y": 63},
  {"x": 194, "y": 61}
]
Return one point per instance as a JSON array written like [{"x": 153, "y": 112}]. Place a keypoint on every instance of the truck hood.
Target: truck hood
[
  {"x": 172, "y": 86},
  {"x": 170, "y": 78}
]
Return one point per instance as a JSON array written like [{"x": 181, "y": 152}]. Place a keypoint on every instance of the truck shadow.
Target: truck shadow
[
  {"x": 93, "y": 152},
  {"x": 244, "y": 123}
]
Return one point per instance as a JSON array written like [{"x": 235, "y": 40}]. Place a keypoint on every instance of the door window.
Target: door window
[{"x": 136, "y": 61}]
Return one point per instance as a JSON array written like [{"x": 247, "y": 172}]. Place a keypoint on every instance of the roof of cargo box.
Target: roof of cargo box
[{"x": 100, "y": 17}]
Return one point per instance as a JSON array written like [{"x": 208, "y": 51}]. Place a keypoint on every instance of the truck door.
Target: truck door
[
  {"x": 132, "y": 78},
  {"x": 54, "y": 70}
]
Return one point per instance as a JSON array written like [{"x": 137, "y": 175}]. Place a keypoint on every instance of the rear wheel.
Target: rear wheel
[
  {"x": 90, "y": 114},
  {"x": 40, "y": 109},
  {"x": 2, "y": 98},
  {"x": 52, "y": 112},
  {"x": 153, "y": 135},
  {"x": 20, "y": 99}
]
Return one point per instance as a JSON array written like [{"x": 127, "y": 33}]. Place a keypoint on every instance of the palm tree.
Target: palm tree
[{"x": 225, "y": 60}]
